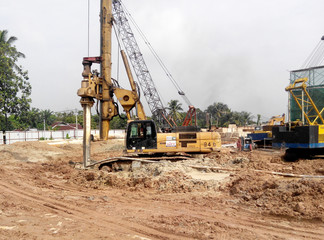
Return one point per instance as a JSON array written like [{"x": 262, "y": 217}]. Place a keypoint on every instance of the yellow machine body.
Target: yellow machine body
[
  {"x": 189, "y": 142},
  {"x": 141, "y": 136}
]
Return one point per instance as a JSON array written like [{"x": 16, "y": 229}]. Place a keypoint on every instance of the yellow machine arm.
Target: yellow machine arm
[
  {"x": 279, "y": 118},
  {"x": 102, "y": 88},
  {"x": 128, "y": 99}
]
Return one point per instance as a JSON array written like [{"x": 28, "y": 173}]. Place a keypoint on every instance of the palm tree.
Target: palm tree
[
  {"x": 48, "y": 116},
  {"x": 245, "y": 118},
  {"x": 7, "y": 48},
  {"x": 14, "y": 90},
  {"x": 259, "y": 120},
  {"x": 220, "y": 112},
  {"x": 174, "y": 107}
]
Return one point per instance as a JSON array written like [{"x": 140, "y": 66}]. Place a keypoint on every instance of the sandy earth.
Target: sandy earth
[{"x": 43, "y": 196}]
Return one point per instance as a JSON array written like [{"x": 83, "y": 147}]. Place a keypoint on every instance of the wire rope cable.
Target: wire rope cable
[
  {"x": 156, "y": 56},
  {"x": 316, "y": 58},
  {"x": 88, "y": 28},
  {"x": 310, "y": 57},
  {"x": 119, "y": 49}
]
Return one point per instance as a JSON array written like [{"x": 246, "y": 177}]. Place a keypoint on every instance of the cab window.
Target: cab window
[
  {"x": 148, "y": 130},
  {"x": 134, "y": 130}
]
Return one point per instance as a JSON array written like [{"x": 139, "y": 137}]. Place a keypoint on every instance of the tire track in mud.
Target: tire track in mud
[
  {"x": 243, "y": 220},
  {"x": 116, "y": 225},
  {"x": 269, "y": 225},
  {"x": 264, "y": 227}
]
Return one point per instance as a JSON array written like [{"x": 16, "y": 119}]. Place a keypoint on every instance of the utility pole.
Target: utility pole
[
  {"x": 44, "y": 127},
  {"x": 76, "y": 123}
]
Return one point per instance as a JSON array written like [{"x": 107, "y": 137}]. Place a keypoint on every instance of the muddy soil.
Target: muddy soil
[{"x": 223, "y": 195}]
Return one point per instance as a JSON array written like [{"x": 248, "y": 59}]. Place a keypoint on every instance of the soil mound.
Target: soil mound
[
  {"x": 300, "y": 198},
  {"x": 166, "y": 176}
]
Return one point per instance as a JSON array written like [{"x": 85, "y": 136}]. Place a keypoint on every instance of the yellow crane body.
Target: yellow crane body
[
  {"x": 301, "y": 141},
  {"x": 141, "y": 137}
]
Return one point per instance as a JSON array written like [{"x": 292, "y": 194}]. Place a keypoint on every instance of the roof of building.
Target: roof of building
[{"x": 66, "y": 126}]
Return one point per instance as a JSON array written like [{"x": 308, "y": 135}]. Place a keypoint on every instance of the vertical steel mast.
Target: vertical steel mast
[
  {"x": 99, "y": 87},
  {"x": 108, "y": 109}
]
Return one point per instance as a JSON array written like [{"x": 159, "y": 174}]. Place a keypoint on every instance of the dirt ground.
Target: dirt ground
[{"x": 223, "y": 195}]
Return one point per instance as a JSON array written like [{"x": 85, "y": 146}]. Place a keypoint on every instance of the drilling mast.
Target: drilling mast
[
  {"x": 99, "y": 87},
  {"x": 108, "y": 109}
]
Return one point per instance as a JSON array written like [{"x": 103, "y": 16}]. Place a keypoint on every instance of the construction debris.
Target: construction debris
[{"x": 227, "y": 194}]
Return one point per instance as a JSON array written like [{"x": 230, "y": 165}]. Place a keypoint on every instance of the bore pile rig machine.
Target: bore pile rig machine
[
  {"x": 141, "y": 135},
  {"x": 101, "y": 87}
]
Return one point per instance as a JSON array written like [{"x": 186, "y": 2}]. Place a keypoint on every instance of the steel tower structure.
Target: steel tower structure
[{"x": 144, "y": 77}]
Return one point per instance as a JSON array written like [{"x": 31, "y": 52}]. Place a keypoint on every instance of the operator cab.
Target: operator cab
[{"x": 141, "y": 134}]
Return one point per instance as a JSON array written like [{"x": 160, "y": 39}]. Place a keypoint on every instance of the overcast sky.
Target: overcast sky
[{"x": 238, "y": 52}]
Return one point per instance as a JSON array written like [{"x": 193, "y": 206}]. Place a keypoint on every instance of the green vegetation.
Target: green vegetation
[
  {"x": 174, "y": 108},
  {"x": 14, "y": 87},
  {"x": 220, "y": 115},
  {"x": 34, "y": 119}
]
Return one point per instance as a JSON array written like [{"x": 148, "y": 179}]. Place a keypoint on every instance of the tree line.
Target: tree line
[
  {"x": 17, "y": 114},
  {"x": 40, "y": 119},
  {"x": 217, "y": 114}
]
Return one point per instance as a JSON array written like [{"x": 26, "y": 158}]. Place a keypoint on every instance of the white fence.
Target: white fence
[{"x": 23, "y": 136}]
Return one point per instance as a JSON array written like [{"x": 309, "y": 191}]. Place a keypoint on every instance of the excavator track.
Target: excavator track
[{"x": 128, "y": 162}]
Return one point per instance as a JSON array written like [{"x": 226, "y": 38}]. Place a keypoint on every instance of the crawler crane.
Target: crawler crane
[
  {"x": 301, "y": 141},
  {"x": 142, "y": 135}
]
